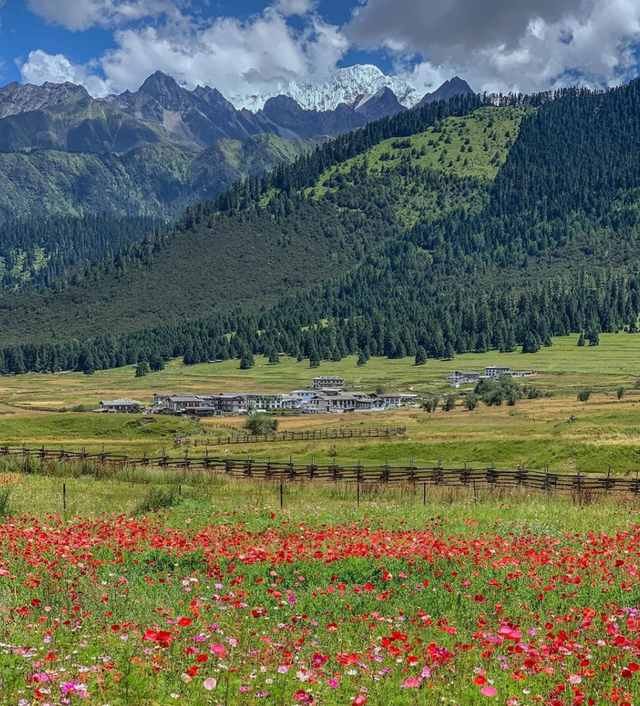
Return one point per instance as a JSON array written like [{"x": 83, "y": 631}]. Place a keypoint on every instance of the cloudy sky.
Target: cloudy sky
[{"x": 252, "y": 46}]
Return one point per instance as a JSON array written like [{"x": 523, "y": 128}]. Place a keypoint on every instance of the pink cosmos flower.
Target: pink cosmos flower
[
  {"x": 488, "y": 691},
  {"x": 412, "y": 683},
  {"x": 74, "y": 688},
  {"x": 210, "y": 684}
]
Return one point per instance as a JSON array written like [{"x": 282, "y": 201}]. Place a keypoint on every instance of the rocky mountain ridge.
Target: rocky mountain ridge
[{"x": 64, "y": 116}]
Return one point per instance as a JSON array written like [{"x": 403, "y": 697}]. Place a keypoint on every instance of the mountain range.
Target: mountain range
[
  {"x": 462, "y": 226},
  {"x": 153, "y": 151}
]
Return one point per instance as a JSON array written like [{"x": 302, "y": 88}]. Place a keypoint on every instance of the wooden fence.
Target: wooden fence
[
  {"x": 285, "y": 471},
  {"x": 309, "y": 435}
]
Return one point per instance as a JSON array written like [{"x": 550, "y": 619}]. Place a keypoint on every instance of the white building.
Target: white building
[
  {"x": 124, "y": 406},
  {"x": 496, "y": 371},
  {"x": 305, "y": 396},
  {"x": 328, "y": 381},
  {"x": 461, "y": 377}
]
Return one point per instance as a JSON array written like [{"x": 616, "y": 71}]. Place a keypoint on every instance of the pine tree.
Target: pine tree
[
  {"x": 143, "y": 369},
  {"x": 247, "y": 361},
  {"x": 421, "y": 356},
  {"x": 581, "y": 340}
]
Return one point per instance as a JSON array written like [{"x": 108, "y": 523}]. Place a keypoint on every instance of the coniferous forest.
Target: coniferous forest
[{"x": 474, "y": 225}]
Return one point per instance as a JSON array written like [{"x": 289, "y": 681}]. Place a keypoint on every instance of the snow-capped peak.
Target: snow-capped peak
[{"x": 344, "y": 86}]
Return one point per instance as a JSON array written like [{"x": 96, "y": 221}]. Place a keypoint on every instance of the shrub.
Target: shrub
[
  {"x": 5, "y": 502},
  {"x": 584, "y": 395},
  {"x": 620, "y": 393},
  {"x": 143, "y": 369},
  {"x": 431, "y": 404},
  {"x": 158, "y": 499},
  {"x": 260, "y": 424}
]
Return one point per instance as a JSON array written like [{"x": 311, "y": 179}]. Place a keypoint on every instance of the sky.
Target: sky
[{"x": 248, "y": 46}]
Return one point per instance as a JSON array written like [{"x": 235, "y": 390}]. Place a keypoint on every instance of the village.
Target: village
[
  {"x": 327, "y": 395},
  {"x": 492, "y": 372}
]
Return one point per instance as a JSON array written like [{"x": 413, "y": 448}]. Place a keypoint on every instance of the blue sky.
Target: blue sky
[{"x": 252, "y": 46}]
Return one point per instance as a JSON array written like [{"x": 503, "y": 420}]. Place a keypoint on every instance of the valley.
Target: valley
[{"x": 319, "y": 353}]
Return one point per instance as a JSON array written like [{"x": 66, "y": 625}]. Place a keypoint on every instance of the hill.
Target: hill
[
  {"x": 494, "y": 236},
  {"x": 154, "y": 151},
  {"x": 152, "y": 180}
]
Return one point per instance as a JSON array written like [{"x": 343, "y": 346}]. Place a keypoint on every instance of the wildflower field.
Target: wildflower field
[{"x": 225, "y": 599}]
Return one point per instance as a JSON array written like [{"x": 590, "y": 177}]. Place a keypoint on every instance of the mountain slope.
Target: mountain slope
[
  {"x": 80, "y": 125},
  {"x": 219, "y": 261},
  {"x": 155, "y": 181},
  {"x": 374, "y": 244},
  {"x": 454, "y": 87},
  {"x": 17, "y": 98},
  {"x": 63, "y": 152}
]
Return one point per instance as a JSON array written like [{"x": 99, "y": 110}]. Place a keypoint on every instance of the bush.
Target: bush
[
  {"x": 620, "y": 393},
  {"x": 584, "y": 395},
  {"x": 494, "y": 392},
  {"x": 532, "y": 393},
  {"x": 261, "y": 424},
  {"x": 5, "y": 502},
  {"x": 158, "y": 499}
]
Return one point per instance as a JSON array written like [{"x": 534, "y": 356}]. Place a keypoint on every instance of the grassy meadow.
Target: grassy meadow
[
  {"x": 218, "y": 597},
  {"x": 151, "y": 587},
  {"x": 606, "y": 431}
]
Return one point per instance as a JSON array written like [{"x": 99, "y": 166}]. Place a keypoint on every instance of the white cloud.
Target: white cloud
[
  {"x": 57, "y": 68},
  {"x": 500, "y": 45},
  {"x": 83, "y": 14},
  {"x": 294, "y": 7},
  {"x": 237, "y": 57}
]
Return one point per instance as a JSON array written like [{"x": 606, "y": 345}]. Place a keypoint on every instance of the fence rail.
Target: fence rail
[
  {"x": 309, "y": 435},
  {"x": 289, "y": 471}
]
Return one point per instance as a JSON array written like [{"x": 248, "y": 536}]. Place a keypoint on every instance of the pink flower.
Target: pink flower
[
  {"x": 218, "y": 650},
  {"x": 210, "y": 684},
  {"x": 75, "y": 688},
  {"x": 488, "y": 691},
  {"x": 412, "y": 683}
]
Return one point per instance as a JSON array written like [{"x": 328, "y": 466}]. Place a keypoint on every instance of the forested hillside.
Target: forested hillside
[
  {"x": 157, "y": 180},
  {"x": 456, "y": 227},
  {"x": 34, "y": 253}
]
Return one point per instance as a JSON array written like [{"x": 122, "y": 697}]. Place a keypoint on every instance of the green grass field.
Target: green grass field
[
  {"x": 145, "y": 586},
  {"x": 533, "y": 433},
  {"x": 562, "y": 369}
]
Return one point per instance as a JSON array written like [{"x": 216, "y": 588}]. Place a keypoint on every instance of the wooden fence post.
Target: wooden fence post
[
  {"x": 64, "y": 496},
  {"x": 281, "y": 497}
]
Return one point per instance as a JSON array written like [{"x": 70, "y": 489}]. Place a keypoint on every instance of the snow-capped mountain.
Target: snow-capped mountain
[{"x": 344, "y": 86}]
